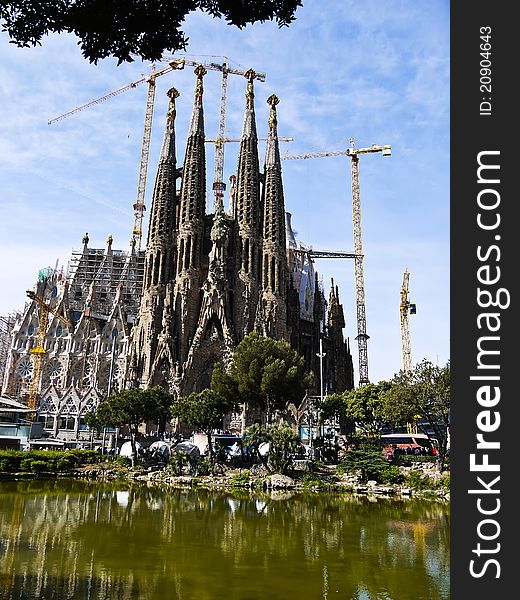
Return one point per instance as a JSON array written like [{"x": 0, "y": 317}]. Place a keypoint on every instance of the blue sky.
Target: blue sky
[{"x": 377, "y": 71}]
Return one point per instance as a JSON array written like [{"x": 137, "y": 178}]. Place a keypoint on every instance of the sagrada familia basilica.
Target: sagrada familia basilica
[{"x": 166, "y": 315}]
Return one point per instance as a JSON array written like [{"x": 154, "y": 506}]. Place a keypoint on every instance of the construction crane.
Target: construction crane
[
  {"x": 38, "y": 351},
  {"x": 324, "y": 253},
  {"x": 405, "y": 308},
  {"x": 174, "y": 63},
  {"x": 354, "y": 153}
]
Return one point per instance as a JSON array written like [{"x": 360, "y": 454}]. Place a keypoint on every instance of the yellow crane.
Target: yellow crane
[
  {"x": 354, "y": 154},
  {"x": 407, "y": 308},
  {"x": 175, "y": 63},
  {"x": 38, "y": 351}
]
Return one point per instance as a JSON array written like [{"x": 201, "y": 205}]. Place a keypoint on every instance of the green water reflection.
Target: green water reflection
[{"x": 76, "y": 539}]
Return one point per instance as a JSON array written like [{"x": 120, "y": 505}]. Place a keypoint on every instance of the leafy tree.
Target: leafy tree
[
  {"x": 367, "y": 458},
  {"x": 361, "y": 406},
  {"x": 283, "y": 444},
  {"x": 268, "y": 374},
  {"x": 130, "y": 408},
  {"x": 364, "y": 406},
  {"x": 422, "y": 393},
  {"x": 145, "y": 28},
  {"x": 333, "y": 407},
  {"x": 254, "y": 435},
  {"x": 203, "y": 411}
]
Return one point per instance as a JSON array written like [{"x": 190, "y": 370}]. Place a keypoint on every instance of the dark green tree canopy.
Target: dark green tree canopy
[
  {"x": 268, "y": 373},
  {"x": 424, "y": 393},
  {"x": 130, "y": 408},
  {"x": 123, "y": 28},
  {"x": 203, "y": 411}
]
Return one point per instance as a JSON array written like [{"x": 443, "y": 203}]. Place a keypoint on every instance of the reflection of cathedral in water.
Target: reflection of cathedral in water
[{"x": 79, "y": 540}]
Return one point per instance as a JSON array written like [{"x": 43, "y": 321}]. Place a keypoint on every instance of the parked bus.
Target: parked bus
[{"x": 408, "y": 443}]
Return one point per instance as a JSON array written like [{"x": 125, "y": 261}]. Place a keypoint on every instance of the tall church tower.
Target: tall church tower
[
  {"x": 191, "y": 226},
  {"x": 272, "y": 313},
  {"x": 151, "y": 336},
  {"x": 248, "y": 217}
]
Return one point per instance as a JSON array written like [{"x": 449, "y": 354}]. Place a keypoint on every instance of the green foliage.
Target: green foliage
[
  {"x": 312, "y": 480},
  {"x": 254, "y": 435},
  {"x": 203, "y": 411},
  {"x": 38, "y": 466},
  {"x": 268, "y": 373},
  {"x": 366, "y": 458},
  {"x": 203, "y": 466},
  {"x": 132, "y": 407},
  {"x": 423, "y": 393},
  {"x": 56, "y": 461},
  {"x": 124, "y": 461},
  {"x": 283, "y": 444},
  {"x": 122, "y": 29},
  {"x": 391, "y": 474},
  {"x": 10, "y": 460},
  {"x": 420, "y": 481},
  {"x": 178, "y": 461},
  {"x": 332, "y": 407},
  {"x": 240, "y": 479},
  {"x": 363, "y": 406}
]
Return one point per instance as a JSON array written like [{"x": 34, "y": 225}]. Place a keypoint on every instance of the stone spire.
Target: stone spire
[
  {"x": 339, "y": 368},
  {"x": 274, "y": 208},
  {"x": 149, "y": 331},
  {"x": 192, "y": 209},
  {"x": 158, "y": 264},
  {"x": 193, "y": 191},
  {"x": 274, "y": 262},
  {"x": 247, "y": 211}
]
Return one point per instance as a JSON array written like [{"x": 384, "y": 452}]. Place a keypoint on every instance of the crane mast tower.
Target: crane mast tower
[
  {"x": 406, "y": 308},
  {"x": 353, "y": 152}
]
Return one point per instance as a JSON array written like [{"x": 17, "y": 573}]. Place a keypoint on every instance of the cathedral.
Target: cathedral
[{"x": 165, "y": 316}]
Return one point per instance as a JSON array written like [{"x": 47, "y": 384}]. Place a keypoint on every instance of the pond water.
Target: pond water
[{"x": 81, "y": 540}]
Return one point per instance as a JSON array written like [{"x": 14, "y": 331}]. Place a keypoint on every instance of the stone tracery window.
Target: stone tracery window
[{"x": 25, "y": 368}]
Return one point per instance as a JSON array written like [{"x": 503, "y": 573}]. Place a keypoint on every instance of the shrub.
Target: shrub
[
  {"x": 10, "y": 460},
  {"x": 367, "y": 459},
  {"x": 419, "y": 481},
  {"x": 202, "y": 466},
  {"x": 391, "y": 475},
  {"x": 310, "y": 480},
  {"x": 241, "y": 478},
  {"x": 283, "y": 444},
  {"x": 39, "y": 466},
  {"x": 179, "y": 460},
  {"x": 124, "y": 461}
]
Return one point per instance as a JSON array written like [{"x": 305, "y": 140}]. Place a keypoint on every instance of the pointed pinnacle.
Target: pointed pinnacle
[
  {"x": 250, "y": 75},
  {"x": 272, "y": 101}
]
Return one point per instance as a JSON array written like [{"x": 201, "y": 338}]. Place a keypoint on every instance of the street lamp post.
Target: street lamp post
[
  {"x": 321, "y": 356},
  {"x": 110, "y": 376}
]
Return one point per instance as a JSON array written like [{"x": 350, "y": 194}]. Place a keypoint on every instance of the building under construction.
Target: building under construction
[{"x": 165, "y": 316}]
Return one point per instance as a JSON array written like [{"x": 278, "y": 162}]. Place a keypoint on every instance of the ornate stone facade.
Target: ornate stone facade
[
  {"x": 228, "y": 273},
  {"x": 167, "y": 315},
  {"x": 83, "y": 363}
]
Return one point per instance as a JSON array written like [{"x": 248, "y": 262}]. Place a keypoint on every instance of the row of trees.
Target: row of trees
[
  {"x": 268, "y": 374},
  {"x": 265, "y": 374},
  {"x": 419, "y": 396}
]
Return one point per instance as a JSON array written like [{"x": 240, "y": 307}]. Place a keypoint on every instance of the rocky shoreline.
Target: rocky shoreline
[{"x": 261, "y": 480}]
